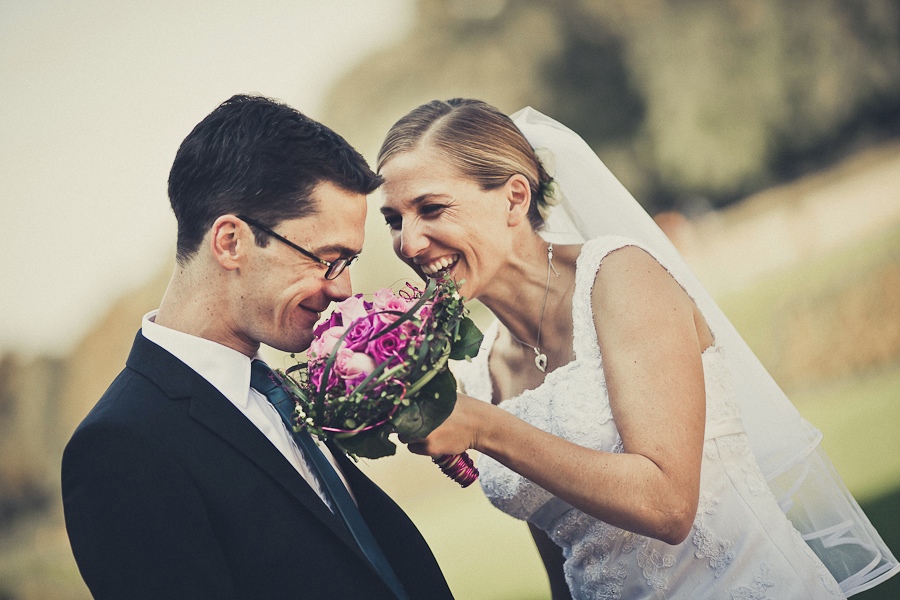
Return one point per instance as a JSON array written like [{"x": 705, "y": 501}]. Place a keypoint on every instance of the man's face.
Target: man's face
[{"x": 282, "y": 292}]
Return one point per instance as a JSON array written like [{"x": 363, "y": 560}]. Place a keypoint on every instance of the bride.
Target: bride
[{"x": 617, "y": 410}]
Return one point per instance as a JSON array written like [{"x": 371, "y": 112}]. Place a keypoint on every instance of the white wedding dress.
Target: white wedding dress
[{"x": 741, "y": 546}]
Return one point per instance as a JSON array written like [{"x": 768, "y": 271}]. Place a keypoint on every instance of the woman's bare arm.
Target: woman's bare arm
[{"x": 651, "y": 352}]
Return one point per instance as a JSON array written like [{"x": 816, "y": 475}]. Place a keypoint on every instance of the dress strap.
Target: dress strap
[{"x": 586, "y": 268}]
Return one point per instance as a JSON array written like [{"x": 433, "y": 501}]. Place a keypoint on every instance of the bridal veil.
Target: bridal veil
[{"x": 592, "y": 203}]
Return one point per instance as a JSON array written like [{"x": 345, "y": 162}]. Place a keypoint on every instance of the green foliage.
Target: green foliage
[
  {"x": 421, "y": 418},
  {"x": 373, "y": 443},
  {"x": 467, "y": 342}
]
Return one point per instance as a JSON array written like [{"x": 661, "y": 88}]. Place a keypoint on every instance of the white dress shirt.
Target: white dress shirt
[{"x": 228, "y": 371}]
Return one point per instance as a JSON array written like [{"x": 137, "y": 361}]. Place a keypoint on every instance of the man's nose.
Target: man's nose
[
  {"x": 339, "y": 288},
  {"x": 412, "y": 240}
]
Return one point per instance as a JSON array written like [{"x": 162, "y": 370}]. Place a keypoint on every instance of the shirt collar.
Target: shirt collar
[{"x": 224, "y": 368}]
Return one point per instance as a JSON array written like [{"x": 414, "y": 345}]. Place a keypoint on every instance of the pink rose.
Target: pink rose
[
  {"x": 381, "y": 297},
  {"x": 352, "y": 308},
  {"x": 315, "y": 349},
  {"x": 353, "y": 365},
  {"x": 322, "y": 346},
  {"x": 385, "y": 299}
]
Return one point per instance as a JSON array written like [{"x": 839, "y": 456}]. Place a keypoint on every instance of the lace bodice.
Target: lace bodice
[{"x": 737, "y": 516}]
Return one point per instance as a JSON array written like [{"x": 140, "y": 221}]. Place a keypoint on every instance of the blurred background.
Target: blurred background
[{"x": 763, "y": 136}]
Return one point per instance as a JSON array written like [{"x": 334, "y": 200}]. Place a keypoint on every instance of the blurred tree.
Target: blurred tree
[{"x": 691, "y": 102}]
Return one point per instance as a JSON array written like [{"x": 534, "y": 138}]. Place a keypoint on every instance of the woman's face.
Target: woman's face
[{"x": 442, "y": 221}]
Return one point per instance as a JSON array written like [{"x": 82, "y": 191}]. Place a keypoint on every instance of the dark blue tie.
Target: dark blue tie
[{"x": 265, "y": 381}]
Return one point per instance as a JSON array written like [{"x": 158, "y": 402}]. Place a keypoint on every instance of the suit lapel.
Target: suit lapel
[
  {"x": 216, "y": 413},
  {"x": 212, "y": 410}
]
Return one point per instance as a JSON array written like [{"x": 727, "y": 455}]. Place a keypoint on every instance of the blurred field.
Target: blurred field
[{"x": 854, "y": 402}]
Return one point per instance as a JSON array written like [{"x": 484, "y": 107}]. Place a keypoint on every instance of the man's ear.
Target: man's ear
[
  {"x": 229, "y": 239},
  {"x": 518, "y": 196}
]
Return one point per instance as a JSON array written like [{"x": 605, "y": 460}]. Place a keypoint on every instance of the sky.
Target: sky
[{"x": 96, "y": 97}]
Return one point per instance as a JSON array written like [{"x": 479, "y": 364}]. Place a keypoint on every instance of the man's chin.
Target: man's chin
[{"x": 294, "y": 345}]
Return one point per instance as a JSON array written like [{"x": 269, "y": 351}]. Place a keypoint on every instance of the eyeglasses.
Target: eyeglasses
[{"x": 334, "y": 267}]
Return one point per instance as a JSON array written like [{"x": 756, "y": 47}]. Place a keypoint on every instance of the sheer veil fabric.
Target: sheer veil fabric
[{"x": 593, "y": 203}]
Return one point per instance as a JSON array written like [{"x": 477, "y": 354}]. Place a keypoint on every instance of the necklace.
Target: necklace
[{"x": 540, "y": 358}]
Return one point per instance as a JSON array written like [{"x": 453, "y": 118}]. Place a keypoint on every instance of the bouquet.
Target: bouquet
[{"x": 379, "y": 367}]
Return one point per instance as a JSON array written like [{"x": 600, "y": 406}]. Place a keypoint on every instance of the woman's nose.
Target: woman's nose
[{"x": 412, "y": 240}]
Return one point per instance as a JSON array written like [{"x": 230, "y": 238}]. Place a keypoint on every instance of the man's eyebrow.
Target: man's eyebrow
[
  {"x": 339, "y": 249},
  {"x": 415, "y": 201}
]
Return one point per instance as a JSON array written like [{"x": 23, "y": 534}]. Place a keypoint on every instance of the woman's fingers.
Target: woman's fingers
[
  {"x": 417, "y": 448},
  {"x": 407, "y": 439}
]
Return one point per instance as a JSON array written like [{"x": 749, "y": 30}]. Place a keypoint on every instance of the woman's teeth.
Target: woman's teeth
[{"x": 440, "y": 264}]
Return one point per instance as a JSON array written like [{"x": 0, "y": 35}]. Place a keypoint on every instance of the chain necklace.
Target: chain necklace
[{"x": 540, "y": 358}]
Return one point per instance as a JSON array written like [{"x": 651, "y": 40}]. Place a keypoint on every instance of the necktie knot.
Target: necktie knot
[
  {"x": 266, "y": 382},
  {"x": 262, "y": 378}
]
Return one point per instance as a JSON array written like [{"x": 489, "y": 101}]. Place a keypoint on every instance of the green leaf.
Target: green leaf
[
  {"x": 431, "y": 407},
  {"x": 469, "y": 341},
  {"x": 369, "y": 444}
]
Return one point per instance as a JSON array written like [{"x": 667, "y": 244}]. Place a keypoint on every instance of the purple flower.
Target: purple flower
[
  {"x": 386, "y": 346},
  {"x": 334, "y": 320},
  {"x": 316, "y": 370},
  {"x": 360, "y": 332},
  {"x": 410, "y": 331}
]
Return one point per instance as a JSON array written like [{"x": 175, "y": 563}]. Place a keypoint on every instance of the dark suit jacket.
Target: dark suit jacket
[{"x": 170, "y": 492}]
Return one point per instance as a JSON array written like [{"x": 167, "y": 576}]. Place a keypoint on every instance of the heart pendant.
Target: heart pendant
[{"x": 540, "y": 361}]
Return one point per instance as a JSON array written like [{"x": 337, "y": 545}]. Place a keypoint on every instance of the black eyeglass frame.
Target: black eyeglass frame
[{"x": 334, "y": 268}]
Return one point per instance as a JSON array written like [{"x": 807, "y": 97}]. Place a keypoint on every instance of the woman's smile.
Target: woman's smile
[{"x": 445, "y": 264}]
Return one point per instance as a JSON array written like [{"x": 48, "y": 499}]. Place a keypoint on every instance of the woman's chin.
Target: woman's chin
[{"x": 463, "y": 280}]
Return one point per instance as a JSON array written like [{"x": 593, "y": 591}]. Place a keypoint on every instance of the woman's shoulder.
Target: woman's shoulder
[{"x": 596, "y": 251}]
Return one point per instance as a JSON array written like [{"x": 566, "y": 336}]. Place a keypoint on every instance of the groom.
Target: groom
[{"x": 183, "y": 482}]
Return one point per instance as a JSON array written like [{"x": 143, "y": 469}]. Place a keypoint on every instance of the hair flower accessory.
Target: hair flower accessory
[
  {"x": 548, "y": 160},
  {"x": 375, "y": 368},
  {"x": 550, "y": 191}
]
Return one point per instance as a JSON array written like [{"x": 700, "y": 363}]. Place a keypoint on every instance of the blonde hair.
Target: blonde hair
[{"x": 479, "y": 140}]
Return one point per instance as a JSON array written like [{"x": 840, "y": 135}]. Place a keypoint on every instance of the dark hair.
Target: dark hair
[
  {"x": 258, "y": 157},
  {"x": 479, "y": 140}
]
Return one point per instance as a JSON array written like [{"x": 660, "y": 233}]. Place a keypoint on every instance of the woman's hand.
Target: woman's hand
[{"x": 458, "y": 433}]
